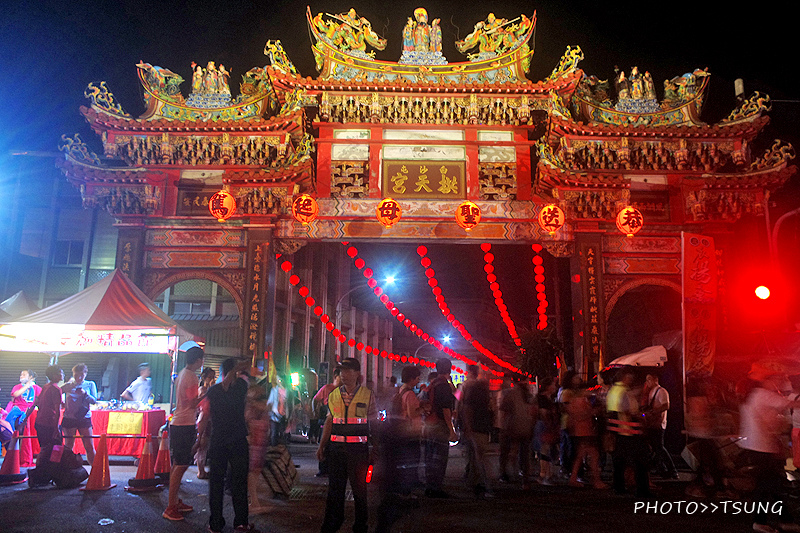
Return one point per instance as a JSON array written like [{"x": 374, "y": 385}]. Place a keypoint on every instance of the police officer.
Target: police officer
[
  {"x": 625, "y": 421},
  {"x": 345, "y": 445}
]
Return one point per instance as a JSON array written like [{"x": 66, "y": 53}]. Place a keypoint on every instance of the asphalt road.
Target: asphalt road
[{"x": 545, "y": 509}]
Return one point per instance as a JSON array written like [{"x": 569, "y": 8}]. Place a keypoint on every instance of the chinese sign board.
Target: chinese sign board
[
  {"x": 52, "y": 338},
  {"x": 439, "y": 180},
  {"x": 194, "y": 202}
]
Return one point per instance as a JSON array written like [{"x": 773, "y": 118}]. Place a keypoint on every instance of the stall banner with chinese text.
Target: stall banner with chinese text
[
  {"x": 699, "y": 290},
  {"x": 28, "y": 337},
  {"x": 121, "y": 423},
  {"x": 441, "y": 180}
]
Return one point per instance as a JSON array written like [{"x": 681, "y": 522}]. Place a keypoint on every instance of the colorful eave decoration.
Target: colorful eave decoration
[
  {"x": 468, "y": 215},
  {"x": 222, "y": 205},
  {"x": 630, "y": 221},
  {"x": 305, "y": 209}
]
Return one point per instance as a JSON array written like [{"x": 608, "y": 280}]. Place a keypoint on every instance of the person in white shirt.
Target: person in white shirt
[
  {"x": 761, "y": 416},
  {"x": 139, "y": 389},
  {"x": 182, "y": 430},
  {"x": 655, "y": 412}
]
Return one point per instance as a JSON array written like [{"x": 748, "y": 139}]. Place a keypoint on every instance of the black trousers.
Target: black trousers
[
  {"x": 632, "y": 449},
  {"x": 660, "y": 457},
  {"x": 236, "y": 454},
  {"x": 346, "y": 462},
  {"x": 770, "y": 475}
]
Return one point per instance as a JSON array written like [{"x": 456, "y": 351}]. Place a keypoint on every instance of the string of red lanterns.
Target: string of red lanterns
[
  {"x": 422, "y": 251},
  {"x": 538, "y": 277},
  {"x": 318, "y": 311},
  {"x": 488, "y": 258},
  {"x": 360, "y": 264}
]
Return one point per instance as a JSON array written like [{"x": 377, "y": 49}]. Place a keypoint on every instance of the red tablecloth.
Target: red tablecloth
[{"x": 151, "y": 422}]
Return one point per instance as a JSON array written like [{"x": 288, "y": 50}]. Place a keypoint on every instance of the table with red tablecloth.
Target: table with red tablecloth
[{"x": 124, "y": 423}]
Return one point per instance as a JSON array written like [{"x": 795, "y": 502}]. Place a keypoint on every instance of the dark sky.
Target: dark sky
[{"x": 50, "y": 50}]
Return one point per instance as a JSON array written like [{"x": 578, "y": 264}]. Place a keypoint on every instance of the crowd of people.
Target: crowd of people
[{"x": 567, "y": 428}]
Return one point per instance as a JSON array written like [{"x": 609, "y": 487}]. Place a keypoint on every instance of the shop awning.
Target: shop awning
[{"x": 113, "y": 315}]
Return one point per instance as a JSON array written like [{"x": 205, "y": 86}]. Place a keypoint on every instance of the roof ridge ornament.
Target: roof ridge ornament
[
  {"x": 103, "y": 99},
  {"x": 568, "y": 63},
  {"x": 778, "y": 154},
  {"x": 749, "y": 109}
]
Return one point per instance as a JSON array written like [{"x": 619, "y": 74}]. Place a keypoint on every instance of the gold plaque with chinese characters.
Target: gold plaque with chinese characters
[{"x": 436, "y": 180}]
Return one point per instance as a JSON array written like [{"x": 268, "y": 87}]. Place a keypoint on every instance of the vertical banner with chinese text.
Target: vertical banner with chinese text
[
  {"x": 699, "y": 289},
  {"x": 591, "y": 262},
  {"x": 258, "y": 249}
]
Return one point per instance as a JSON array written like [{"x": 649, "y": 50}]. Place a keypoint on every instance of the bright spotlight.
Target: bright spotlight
[
  {"x": 446, "y": 339},
  {"x": 762, "y": 292},
  {"x": 390, "y": 280}
]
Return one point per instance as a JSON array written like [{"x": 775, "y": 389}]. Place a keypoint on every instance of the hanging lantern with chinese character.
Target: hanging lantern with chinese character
[
  {"x": 305, "y": 209},
  {"x": 551, "y": 218},
  {"x": 468, "y": 215},
  {"x": 630, "y": 221},
  {"x": 222, "y": 205},
  {"x": 388, "y": 212}
]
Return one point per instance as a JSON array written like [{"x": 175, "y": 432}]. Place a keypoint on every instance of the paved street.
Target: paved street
[{"x": 543, "y": 509}]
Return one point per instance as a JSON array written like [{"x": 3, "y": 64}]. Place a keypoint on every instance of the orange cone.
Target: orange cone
[
  {"x": 163, "y": 464},
  {"x": 100, "y": 476},
  {"x": 9, "y": 472},
  {"x": 145, "y": 479}
]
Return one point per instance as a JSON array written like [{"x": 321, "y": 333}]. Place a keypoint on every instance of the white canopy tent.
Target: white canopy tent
[{"x": 650, "y": 356}]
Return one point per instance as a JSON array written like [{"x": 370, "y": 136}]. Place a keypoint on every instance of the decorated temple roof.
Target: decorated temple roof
[{"x": 744, "y": 129}]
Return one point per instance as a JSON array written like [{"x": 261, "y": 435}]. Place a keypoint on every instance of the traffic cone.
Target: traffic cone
[
  {"x": 163, "y": 464},
  {"x": 100, "y": 477},
  {"x": 145, "y": 479},
  {"x": 9, "y": 472}
]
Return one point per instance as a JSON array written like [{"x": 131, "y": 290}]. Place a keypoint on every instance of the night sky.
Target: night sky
[{"x": 50, "y": 50}]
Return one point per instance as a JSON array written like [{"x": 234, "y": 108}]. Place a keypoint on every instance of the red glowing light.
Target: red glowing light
[
  {"x": 421, "y": 250},
  {"x": 286, "y": 266},
  {"x": 294, "y": 279}
]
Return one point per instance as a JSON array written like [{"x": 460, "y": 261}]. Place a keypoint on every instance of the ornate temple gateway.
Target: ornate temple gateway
[{"x": 392, "y": 151}]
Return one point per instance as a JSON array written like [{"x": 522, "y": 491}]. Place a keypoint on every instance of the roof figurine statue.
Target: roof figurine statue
[
  {"x": 422, "y": 42},
  {"x": 503, "y": 56}
]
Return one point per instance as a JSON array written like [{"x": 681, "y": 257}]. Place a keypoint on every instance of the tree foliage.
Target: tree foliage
[{"x": 539, "y": 351}]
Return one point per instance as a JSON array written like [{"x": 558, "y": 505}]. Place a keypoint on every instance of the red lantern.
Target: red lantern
[
  {"x": 551, "y": 218},
  {"x": 388, "y": 212},
  {"x": 305, "y": 209},
  {"x": 222, "y": 205},
  {"x": 468, "y": 215},
  {"x": 630, "y": 221}
]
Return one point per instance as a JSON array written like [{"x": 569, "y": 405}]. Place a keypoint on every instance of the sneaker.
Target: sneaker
[
  {"x": 575, "y": 483},
  {"x": 764, "y": 528},
  {"x": 791, "y": 527},
  {"x": 172, "y": 513},
  {"x": 183, "y": 508},
  {"x": 249, "y": 528}
]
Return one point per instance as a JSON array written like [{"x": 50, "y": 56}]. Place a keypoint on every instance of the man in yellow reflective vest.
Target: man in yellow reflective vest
[
  {"x": 345, "y": 445},
  {"x": 625, "y": 421}
]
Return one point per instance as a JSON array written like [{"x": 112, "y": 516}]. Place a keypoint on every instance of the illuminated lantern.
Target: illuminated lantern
[
  {"x": 305, "y": 209},
  {"x": 222, "y": 205},
  {"x": 551, "y": 218},
  {"x": 630, "y": 221},
  {"x": 388, "y": 212},
  {"x": 468, "y": 215}
]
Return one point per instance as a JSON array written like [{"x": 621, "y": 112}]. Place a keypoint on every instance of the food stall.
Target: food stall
[{"x": 111, "y": 316}]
